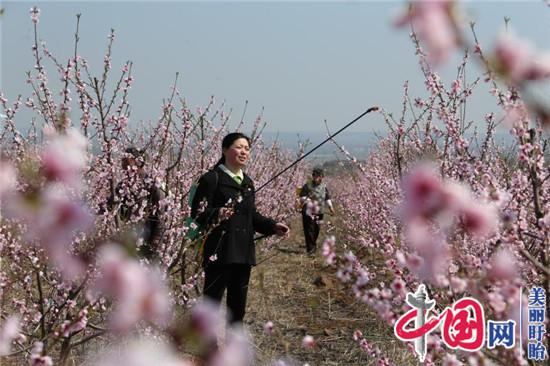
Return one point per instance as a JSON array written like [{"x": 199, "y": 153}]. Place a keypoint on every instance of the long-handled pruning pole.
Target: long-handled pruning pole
[{"x": 371, "y": 109}]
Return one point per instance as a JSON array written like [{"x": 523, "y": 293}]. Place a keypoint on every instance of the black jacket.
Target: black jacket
[{"x": 233, "y": 240}]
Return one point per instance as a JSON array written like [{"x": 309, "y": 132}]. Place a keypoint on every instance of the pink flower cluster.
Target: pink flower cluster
[
  {"x": 71, "y": 327},
  {"x": 35, "y": 14},
  {"x": 428, "y": 200},
  {"x": 469, "y": 223},
  {"x": 37, "y": 358},
  {"x": 139, "y": 291},
  {"x": 9, "y": 331},
  {"x": 140, "y": 352},
  {"x": 329, "y": 252},
  {"x": 427, "y": 197},
  {"x": 52, "y": 210},
  {"x": 517, "y": 60},
  {"x": 436, "y": 24},
  {"x": 73, "y": 284},
  {"x": 371, "y": 350}
]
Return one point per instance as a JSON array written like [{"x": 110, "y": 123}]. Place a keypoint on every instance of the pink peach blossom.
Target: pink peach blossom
[
  {"x": 481, "y": 221},
  {"x": 268, "y": 328},
  {"x": 503, "y": 266},
  {"x": 436, "y": 24},
  {"x": 424, "y": 193},
  {"x": 236, "y": 351},
  {"x": 518, "y": 60},
  {"x": 65, "y": 156},
  {"x": 308, "y": 342},
  {"x": 8, "y": 178},
  {"x": 37, "y": 358},
  {"x": 35, "y": 14},
  {"x": 139, "y": 291},
  {"x": 9, "y": 330},
  {"x": 140, "y": 352}
]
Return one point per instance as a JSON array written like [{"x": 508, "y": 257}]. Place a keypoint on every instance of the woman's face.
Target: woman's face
[
  {"x": 317, "y": 179},
  {"x": 237, "y": 154}
]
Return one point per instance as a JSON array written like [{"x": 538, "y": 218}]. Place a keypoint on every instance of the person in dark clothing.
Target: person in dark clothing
[
  {"x": 314, "y": 197},
  {"x": 224, "y": 206},
  {"x": 137, "y": 193}
]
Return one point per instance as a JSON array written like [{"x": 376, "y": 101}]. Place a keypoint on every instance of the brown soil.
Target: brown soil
[{"x": 301, "y": 295}]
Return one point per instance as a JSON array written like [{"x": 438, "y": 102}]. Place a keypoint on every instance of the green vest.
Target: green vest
[{"x": 318, "y": 193}]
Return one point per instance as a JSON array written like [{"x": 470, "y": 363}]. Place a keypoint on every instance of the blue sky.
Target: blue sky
[{"x": 302, "y": 61}]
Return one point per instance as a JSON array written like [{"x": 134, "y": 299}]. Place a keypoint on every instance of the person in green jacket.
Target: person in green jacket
[{"x": 314, "y": 197}]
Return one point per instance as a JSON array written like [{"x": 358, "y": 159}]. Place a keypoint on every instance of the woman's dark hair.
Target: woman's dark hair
[{"x": 228, "y": 140}]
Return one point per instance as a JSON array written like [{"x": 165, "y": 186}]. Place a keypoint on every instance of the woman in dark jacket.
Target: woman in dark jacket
[{"x": 224, "y": 206}]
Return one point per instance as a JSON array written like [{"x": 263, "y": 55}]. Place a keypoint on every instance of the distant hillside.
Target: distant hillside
[{"x": 359, "y": 144}]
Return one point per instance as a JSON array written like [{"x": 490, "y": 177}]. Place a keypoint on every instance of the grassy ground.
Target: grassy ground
[{"x": 301, "y": 295}]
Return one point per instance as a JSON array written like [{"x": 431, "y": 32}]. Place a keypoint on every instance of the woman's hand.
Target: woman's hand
[{"x": 281, "y": 229}]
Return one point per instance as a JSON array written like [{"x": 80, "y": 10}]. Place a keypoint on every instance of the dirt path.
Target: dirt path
[{"x": 301, "y": 295}]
